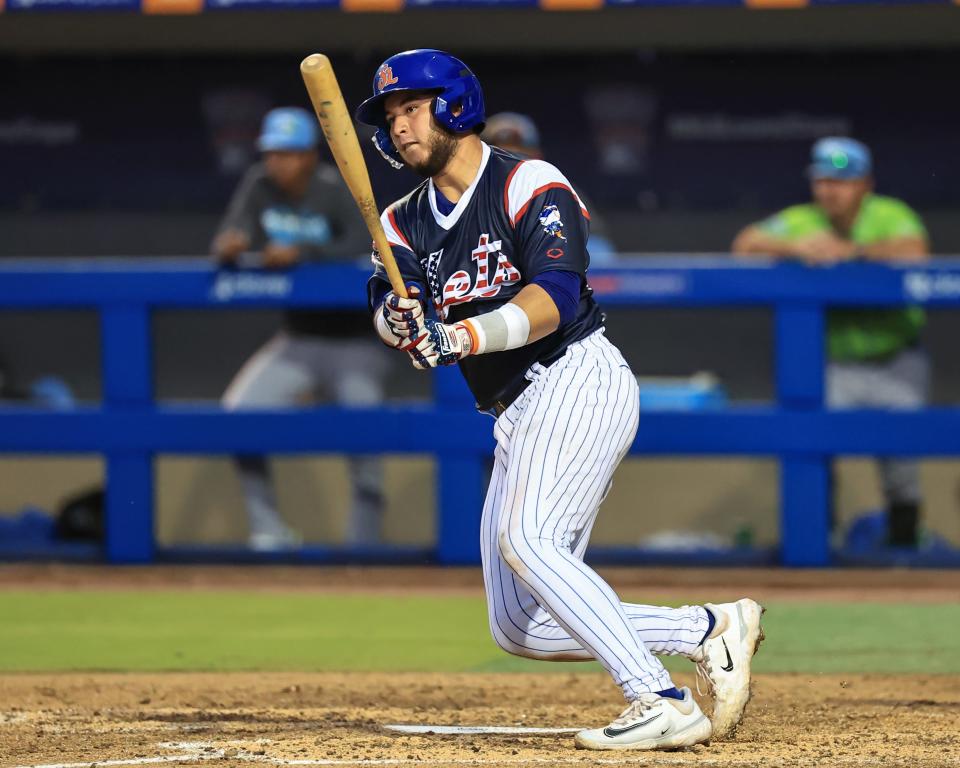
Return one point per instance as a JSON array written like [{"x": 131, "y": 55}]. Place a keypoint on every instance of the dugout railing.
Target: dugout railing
[{"x": 129, "y": 429}]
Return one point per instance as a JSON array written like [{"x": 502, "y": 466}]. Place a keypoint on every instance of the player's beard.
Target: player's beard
[{"x": 443, "y": 146}]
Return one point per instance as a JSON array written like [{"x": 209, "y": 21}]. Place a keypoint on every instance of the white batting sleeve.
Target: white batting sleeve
[{"x": 502, "y": 329}]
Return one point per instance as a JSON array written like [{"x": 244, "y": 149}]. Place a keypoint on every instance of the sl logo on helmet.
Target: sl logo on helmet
[{"x": 385, "y": 77}]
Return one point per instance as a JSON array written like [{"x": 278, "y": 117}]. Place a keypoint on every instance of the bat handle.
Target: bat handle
[{"x": 393, "y": 272}]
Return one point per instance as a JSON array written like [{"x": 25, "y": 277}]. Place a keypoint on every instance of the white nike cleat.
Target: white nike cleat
[
  {"x": 652, "y": 722},
  {"x": 723, "y": 661}
]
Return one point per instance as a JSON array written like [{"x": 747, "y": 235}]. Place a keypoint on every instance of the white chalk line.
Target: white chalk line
[
  {"x": 646, "y": 758},
  {"x": 201, "y": 751},
  {"x": 131, "y": 761}
]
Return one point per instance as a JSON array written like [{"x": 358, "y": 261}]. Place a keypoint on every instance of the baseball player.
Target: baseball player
[
  {"x": 875, "y": 357},
  {"x": 496, "y": 246},
  {"x": 290, "y": 208}
]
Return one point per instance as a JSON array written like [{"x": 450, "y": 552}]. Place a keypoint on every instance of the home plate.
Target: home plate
[{"x": 471, "y": 730}]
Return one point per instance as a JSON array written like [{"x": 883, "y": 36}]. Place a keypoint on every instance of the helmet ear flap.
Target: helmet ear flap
[
  {"x": 448, "y": 107},
  {"x": 381, "y": 140}
]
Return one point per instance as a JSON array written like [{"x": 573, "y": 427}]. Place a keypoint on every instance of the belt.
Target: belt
[{"x": 509, "y": 395}]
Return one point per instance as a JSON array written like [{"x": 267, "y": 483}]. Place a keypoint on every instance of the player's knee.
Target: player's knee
[
  {"x": 512, "y": 648},
  {"x": 229, "y": 403},
  {"x": 359, "y": 389},
  {"x": 238, "y": 398},
  {"x": 512, "y": 546},
  {"x": 506, "y": 643}
]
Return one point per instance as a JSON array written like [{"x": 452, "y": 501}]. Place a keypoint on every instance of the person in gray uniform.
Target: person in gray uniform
[
  {"x": 290, "y": 208},
  {"x": 875, "y": 355}
]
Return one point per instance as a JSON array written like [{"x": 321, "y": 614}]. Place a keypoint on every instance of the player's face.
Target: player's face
[
  {"x": 288, "y": 170},
  {"x": 840, "y": 197},
  {"x": 422, "y": 145}
]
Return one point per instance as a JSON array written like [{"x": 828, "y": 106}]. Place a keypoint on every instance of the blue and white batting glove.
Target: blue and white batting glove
[
  {"x": 398, "y": 321},
  {"x": 404, "y": 316},
  {"x": 440, "y": 344}
]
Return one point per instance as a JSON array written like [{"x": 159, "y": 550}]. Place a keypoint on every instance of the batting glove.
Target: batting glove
[
  {"x": 404, "y": 316},
  {"x": 440, "y": 344},
  {"x": 399, "y": 321}
]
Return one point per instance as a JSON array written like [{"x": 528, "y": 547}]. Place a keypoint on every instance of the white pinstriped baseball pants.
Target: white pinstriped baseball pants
[{"x": 558, "y": 445}]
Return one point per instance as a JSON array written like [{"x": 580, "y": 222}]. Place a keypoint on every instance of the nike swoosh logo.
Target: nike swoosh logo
[
  {"x": 728, "y": 667},
  {"x": 664, "y": 730},
  {"x": 614, "y": 732}
]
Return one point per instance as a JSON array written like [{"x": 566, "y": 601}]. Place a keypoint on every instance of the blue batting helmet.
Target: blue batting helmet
[{"x": 458, "y": 106}]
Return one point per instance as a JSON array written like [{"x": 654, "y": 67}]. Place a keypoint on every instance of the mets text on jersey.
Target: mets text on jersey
[{"x": 461, "y": 287}]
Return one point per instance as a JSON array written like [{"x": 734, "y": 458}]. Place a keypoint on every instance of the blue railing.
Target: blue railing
[{"x": 129, "y": 428}]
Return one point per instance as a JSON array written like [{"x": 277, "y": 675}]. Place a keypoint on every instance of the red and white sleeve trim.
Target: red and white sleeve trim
[
  {"x": 529, "y": 179},
  {"x": 394, "y": 236}
]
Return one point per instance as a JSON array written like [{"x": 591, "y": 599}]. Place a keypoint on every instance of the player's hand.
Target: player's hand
[
  {"x": 824, "y": 248},
  {"x": 277, "y": 256},
  {"x": 399, "y": 320},
  {"x": 229, "y": 244},
  {"x": 441, "y": 344},
  {"x": 403, "y": 316}
]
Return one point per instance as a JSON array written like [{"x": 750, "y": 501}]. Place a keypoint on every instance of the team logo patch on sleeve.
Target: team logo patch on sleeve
[{"x": 551, "y": 222}]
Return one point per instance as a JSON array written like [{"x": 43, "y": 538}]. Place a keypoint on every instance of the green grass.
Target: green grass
[{"x": 126, "y": 631}]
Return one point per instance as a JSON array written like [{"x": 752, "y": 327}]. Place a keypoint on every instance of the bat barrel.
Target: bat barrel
[
  {"x": 314, "y": 62},
  {"x": 338, "y": 130}
]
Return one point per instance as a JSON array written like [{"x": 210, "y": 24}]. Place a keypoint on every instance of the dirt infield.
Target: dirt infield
[
  {"x": 232, "y": 719},
  {"x": 336, "y": 719}
]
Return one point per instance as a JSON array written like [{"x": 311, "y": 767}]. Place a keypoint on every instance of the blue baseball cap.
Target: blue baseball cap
[
  {"x": 837, "y": 157},
  {"x": 288, "y": 129}
]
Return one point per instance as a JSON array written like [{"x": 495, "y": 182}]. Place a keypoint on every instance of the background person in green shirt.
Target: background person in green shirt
[{"x": 875, "y": 358}]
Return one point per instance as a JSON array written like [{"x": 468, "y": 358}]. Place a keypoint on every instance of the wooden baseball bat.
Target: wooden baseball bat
[{"x": 341, "y": 136}]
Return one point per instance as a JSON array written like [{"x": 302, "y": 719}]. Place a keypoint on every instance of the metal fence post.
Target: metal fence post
[
  {"x": 460, "y": 481},
  {"x": 804, "y": 477},
  {"x": 126, "y": 351}
]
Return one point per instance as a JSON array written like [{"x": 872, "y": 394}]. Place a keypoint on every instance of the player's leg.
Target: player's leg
[
  {"x": 569, "y": 430},
  {"x": 523, "y": 627},
  {"x": 845, "y": 387},
  {"x": 575, "y": 427},
  {"x": 277, "y": 375},
  {"x": 557, "y": 449},
  {"x": 518, "y": 620},
  {"x": 358, "y": 381},
  {"x": 903, "y": 383}
]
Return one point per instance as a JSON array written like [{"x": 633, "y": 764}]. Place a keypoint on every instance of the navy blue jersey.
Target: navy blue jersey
[{"x": 518, "y": 219}]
